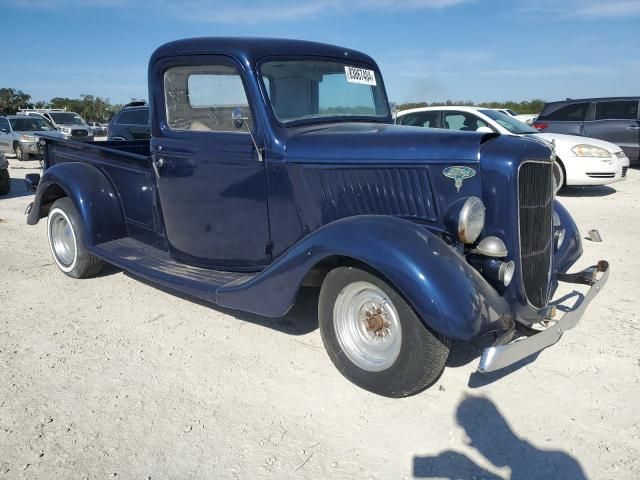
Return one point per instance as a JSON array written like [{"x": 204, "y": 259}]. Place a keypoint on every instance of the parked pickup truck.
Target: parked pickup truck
[{"x": 275, "y": 164}]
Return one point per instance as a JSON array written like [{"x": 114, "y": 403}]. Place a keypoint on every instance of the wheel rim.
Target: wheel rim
[
  {"x": 19, "y": 152},
  {"x": 367, "y": 326},
  {"x": 63, "y": 240}
]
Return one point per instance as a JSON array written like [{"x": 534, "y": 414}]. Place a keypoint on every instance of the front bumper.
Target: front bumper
[
  {"x": 584, "y": 171},
  {"x": 30, "y": 147},
  {"x": 502, "y": 355}
]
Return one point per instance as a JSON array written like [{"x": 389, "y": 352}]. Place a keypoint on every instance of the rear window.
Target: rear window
[
  {"x": 134, "y": 117},
  {"x": 617, "y": 110},
  {"x": 573, "y": 112}
]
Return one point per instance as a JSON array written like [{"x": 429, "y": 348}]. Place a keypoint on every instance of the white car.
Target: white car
[
  {"x": 583, "y": 160},
  {"x": 527, "y": 118}
]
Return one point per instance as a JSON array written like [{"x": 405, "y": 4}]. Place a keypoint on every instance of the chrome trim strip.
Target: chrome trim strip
[{"x": 500, "y": 356}]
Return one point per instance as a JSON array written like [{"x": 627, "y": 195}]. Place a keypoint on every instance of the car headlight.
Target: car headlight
[
  {"x": 471, "y": 220},
  {"x": 28, "y": 138},
  {"x": 65, "y": 130},
  {"x": 584, "y": 150}
]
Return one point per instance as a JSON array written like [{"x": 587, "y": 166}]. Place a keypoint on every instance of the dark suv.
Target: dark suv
[
  {"x": 130, "y": 123},
  {"x": 615, "y": 120}
]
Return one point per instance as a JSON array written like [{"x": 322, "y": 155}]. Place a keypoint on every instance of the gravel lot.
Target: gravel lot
[{"x": 113, "y": 378}]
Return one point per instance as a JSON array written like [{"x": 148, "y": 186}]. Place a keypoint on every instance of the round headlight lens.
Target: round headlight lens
[
  {"x": 471, "y": 220},
  {"x": 584, "y": 150}
]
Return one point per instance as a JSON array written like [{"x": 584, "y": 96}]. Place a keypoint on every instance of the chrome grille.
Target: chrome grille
[
  {"x": 535, "y": 195},
  {"x": 79, "y": 133}
]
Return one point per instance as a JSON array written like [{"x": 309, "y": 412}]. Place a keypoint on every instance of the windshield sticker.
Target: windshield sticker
[{"x": 360, "y": 75}]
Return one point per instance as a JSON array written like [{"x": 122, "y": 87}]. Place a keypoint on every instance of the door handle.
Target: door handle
[{"x": 633, "y": 127}]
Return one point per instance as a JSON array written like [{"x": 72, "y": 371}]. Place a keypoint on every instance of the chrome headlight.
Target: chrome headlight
[
  {"x": 28, "y": 138},
  {"x": 585, "y": 150},
  {"x": 471, "y": 220},
  {"x": 65, "y": 130}
]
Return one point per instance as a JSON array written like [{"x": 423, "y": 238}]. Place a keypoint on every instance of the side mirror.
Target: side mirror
[
  {"x": 238, "y": 117},
  {"x": 4, "y": 130},
  {"x": 484, "y": 130},
  {"x": 393, "y": 107}
]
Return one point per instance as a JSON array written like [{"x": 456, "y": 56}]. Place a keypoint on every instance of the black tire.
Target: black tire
[
  {"x": 20, "y": 153},
  {"x": 80, "y": 263},
  {"x": 5, "y": 182},
  {"x": 422, "y": 353}
]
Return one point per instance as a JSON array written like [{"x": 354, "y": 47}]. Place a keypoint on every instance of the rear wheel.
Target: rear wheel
[
  {"x": 64, "y": 227},
  {"x": 5, "y": 182},
  {"x": 374, "y": 337}
]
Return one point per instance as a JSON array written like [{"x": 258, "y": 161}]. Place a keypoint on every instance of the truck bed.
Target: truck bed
[{"x": 127, "y": 167}]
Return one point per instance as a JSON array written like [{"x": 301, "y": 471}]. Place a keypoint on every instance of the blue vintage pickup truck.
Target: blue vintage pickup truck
[{"x": 275, "y": 164}]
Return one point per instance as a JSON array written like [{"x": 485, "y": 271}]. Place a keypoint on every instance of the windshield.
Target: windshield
[
  {"x": 30, "y": 124},
  {"x": 510, "y": 123},
  {"x": 317, "y": 89},
  {"x": 66, "y": 118}
]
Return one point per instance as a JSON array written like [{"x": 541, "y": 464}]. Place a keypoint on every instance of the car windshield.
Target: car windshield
[
  {"x": 30, "y": 124},
  {"x": 510, "y": 123},
  {"x": 66, "y": 118},
  {"x": 319, "y": 89}
]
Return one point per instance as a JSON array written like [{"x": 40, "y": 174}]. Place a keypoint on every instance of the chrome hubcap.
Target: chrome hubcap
[
  {"x": 63, "y": 240},
  {"x": 367, "y": 326}
]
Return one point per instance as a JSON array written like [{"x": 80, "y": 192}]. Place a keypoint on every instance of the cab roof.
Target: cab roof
[{"x": 251, "y": 49}]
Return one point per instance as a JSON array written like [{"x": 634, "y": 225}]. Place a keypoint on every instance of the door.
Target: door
[
  {"x": 616, "y": 121},
  {"x": 5, "y": 136},
  {"x": 565, "y": 118},
  {"x": 211, "y": 183}
]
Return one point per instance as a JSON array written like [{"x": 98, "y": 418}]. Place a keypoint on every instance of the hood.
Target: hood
[
  {"x": 381, "y": 142},
  {"x": 41, "y": 133},
  {"x": 578, "y": 140}
]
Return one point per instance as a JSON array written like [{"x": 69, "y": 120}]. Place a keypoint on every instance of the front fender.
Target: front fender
[
  {"x": 571, "y": 248},
  {"x": 92, "y": 194},
  {"x": 448, "y": 295}
]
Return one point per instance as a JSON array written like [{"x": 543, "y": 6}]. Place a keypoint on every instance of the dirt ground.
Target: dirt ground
[{"x": 113, "y": 378}]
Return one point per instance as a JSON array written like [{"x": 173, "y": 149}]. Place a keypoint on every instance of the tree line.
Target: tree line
[
  {"x": 527, "y": 106},
  {"x": 100, "y": 109},
  {"x": 91, "y": 108}
]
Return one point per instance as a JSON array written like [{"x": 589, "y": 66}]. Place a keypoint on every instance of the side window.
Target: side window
[
  {"x": 617, "y": 110},
  {"x": 462, "y": 121},
  {"x": 4, "y": 124},
  {"x": 202, "y": 98},
  {"x": 420, "y": 119},
  {"x": 574, "y": 112}
]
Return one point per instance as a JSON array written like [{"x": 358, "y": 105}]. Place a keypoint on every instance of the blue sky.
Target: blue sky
[{"x": 428, "y": 50}]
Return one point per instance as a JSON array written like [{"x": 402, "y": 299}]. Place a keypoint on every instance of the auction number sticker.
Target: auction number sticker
[{"x": 360, "y": 75}]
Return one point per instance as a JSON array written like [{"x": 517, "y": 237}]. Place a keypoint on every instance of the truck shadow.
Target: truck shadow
[
  {"x": 490, "y": 435},
  {"x": 300, "y": 320},
  {"x": 17, "y": 190}
]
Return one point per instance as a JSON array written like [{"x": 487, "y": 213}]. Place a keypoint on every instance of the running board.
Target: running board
[{"x": 158, "y": 267}]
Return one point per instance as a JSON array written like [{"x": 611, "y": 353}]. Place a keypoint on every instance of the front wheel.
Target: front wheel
[
  {"x": 374, "y": 338},
  {"x": 64, "y": 228}
]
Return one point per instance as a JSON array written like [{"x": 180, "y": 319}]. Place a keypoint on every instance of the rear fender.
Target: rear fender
[
  {"x": 448, "y": 295},
  {"x": 91, "y": 193}
]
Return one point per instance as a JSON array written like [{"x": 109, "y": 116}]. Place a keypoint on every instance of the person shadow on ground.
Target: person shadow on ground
[{"x": 490, "y": 435}]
